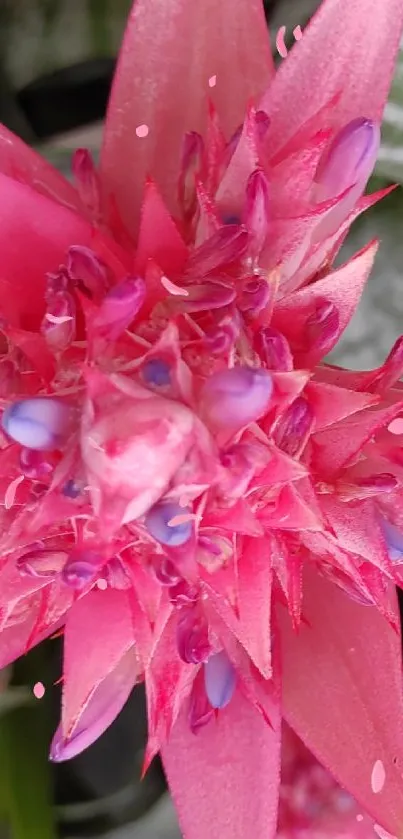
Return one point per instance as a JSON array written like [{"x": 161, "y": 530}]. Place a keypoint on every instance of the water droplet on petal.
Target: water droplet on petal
[
  {"x": 38, "y": 690},
  {"x": 157, "y": 522},
  {"x": 39, "y": 423},
  {"x": 219, "y": 680},
  {"x": 142, "y": 130},
  {"x": 378, "y": 777}
]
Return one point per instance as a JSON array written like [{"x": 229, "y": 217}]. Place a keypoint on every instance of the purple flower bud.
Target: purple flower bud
[
  {"x": 225, "y": 246},
  {"x": 254, "y": 296},
  {"x": 349, "y": 159},
  {"x": 219, "y": 680},
  {"x": 84, "y": 266},
  {"x": 158, "y": 523},
  {"x": 205, "y": 297},
  {"x": 257, "y": 212},
  {"x": 71, "y": 489},
  {"x": 200, "y": 710},
  {"x": 192, "y": 636},
  {"x": 40, "y": 423},
  {"x": 394, "y": 539},
  {"x": 322, "y": 326},
  {"x": 274, "y": 349},
  {"x": 294, "y": 426},
  {"x": 82, "y": 566},
  {"x": 156, "y": 372},
  {"x": 234, "y": 398},
  {"x": 119, "y": 308},
  {"x": 165, "y": 571}
]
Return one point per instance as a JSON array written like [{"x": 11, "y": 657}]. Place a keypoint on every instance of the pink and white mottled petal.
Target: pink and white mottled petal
[
  {"x": 20, "y": 162},
  {"x": 224, "y": 780},
  {"x": 337, "y": 54},
  {"x": 169, "y": 53},
  {"x": 342, "y": 694}
]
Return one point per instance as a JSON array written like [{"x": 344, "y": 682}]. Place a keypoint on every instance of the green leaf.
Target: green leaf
[{"x": 25, "y": 788}]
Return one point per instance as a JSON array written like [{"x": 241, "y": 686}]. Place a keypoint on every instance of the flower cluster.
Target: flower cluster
[{"x": 189, "y": 490}]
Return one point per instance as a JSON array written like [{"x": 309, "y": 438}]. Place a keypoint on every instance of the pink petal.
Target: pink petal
[
  {"x": 254, "y": 602},
  {"x": 168, "y": 682},
  {"x": 337, "y": 54},
  {"x": 159, "y": 238},
  {"x": 342, "y": 288},
  {"x": 325, "y": 252},
  {"x": 99, "y": 631},
  {"x": 343, "y": 694},
  {"x": 336, "y": 446},
  {"x": 170, "y": 51},
  {"x": 22, "y": 163},
  {"x": 34, "y": 236},
  {"x": 331, "y": 404},
  {"x": 103, "y": 706},
  {"x": 225, "y": 779}
]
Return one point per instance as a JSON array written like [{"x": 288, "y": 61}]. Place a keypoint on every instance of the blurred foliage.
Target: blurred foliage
[
  {"x": 26, "y": 809},
  {"x": 390, "y": 161}
]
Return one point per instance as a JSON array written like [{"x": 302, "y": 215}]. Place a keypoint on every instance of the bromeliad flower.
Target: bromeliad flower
[{"x": 187, "y": 489}]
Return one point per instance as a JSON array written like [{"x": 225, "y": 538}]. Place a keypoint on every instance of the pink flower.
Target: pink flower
[{"x": 188, "y": 490}]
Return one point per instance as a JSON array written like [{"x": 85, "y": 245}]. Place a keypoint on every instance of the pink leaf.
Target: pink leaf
[
  {"x": 225, "y": 779},
  {"x": 342, "y": 686}
]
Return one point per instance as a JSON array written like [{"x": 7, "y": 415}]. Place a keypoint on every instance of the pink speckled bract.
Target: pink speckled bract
[{"x": 191, "y": 494}]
